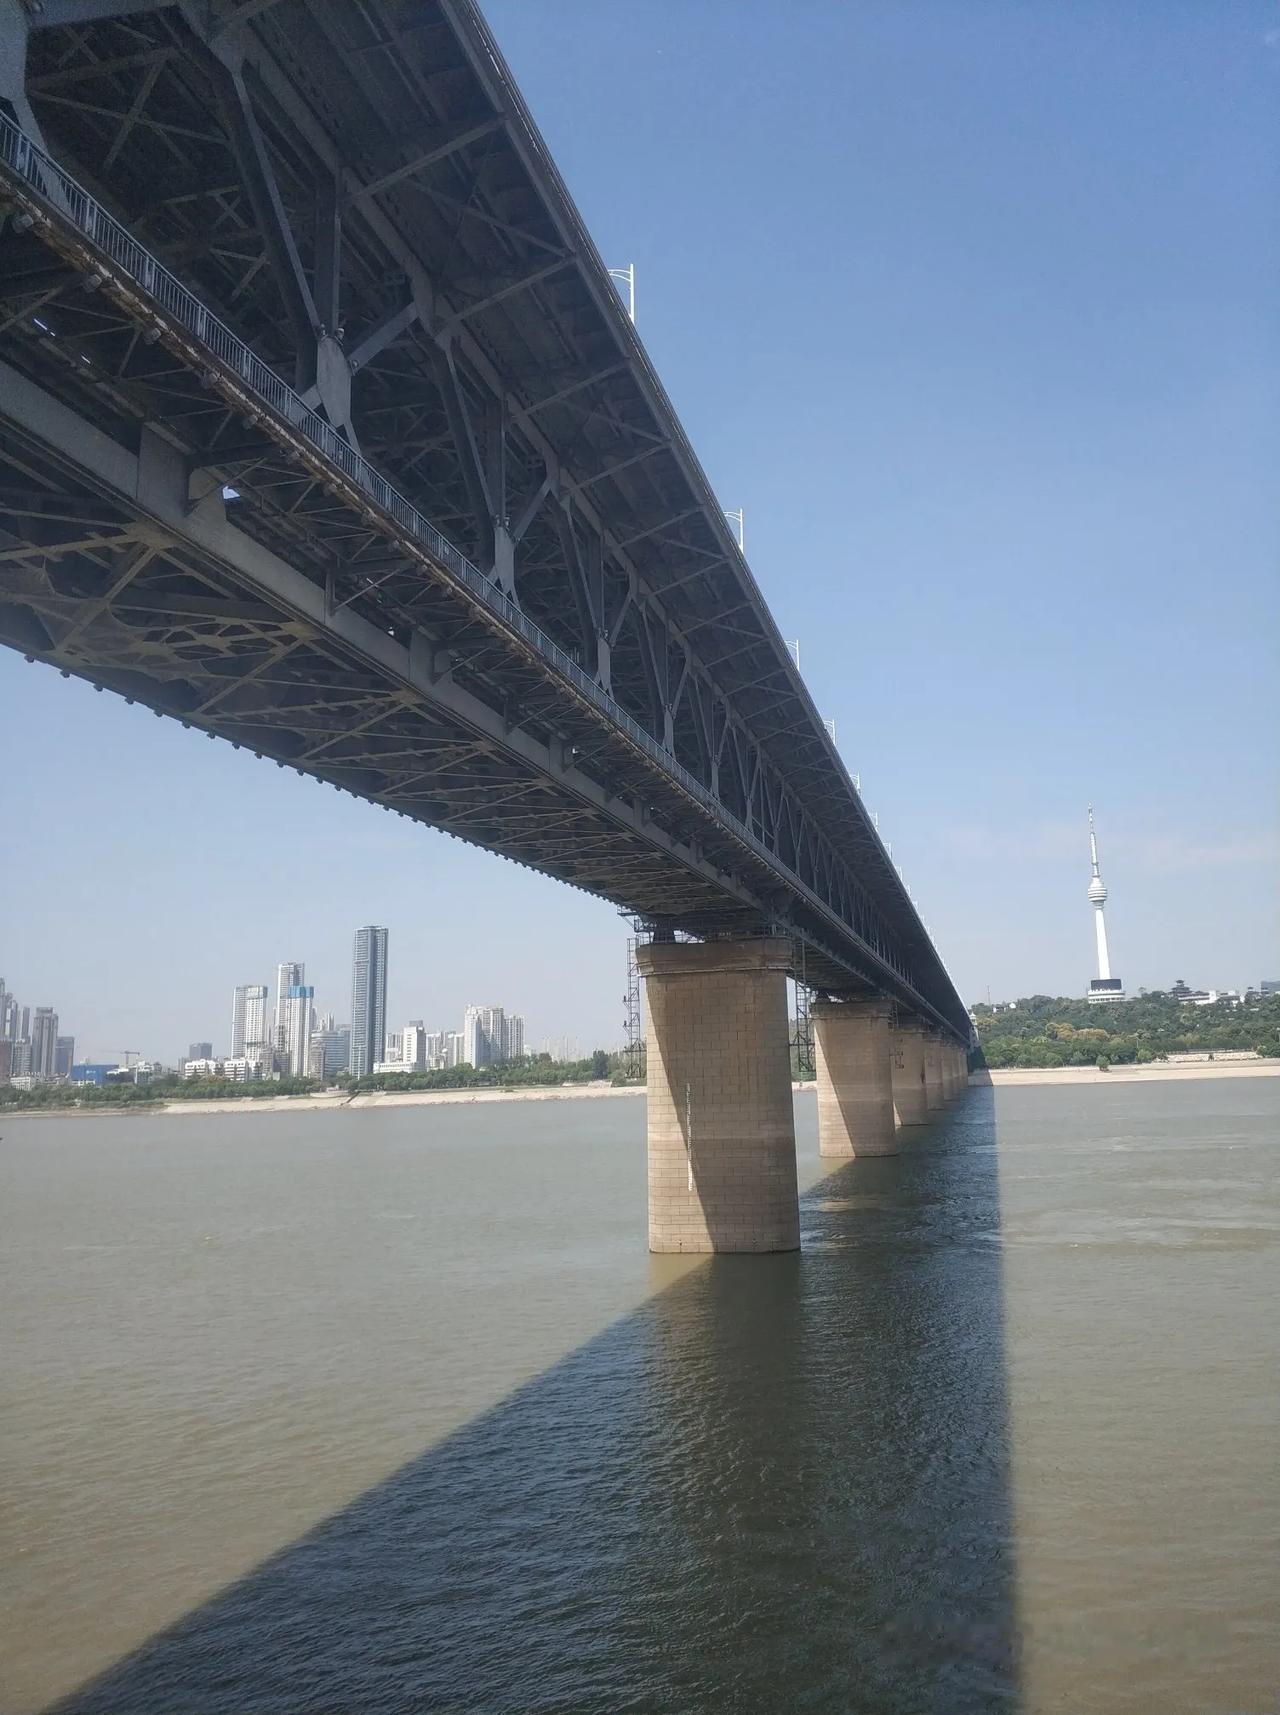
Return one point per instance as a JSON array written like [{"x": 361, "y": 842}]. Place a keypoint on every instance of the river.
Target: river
[{"x": 362, "y": 1413}]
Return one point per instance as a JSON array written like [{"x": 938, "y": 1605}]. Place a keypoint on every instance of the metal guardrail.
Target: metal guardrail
[{"x": 69, "y": 200}]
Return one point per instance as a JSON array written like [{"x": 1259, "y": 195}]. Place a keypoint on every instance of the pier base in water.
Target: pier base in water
[
  {"x": 722, "y": 1147},
  {"x": 854, "y": 1059}
]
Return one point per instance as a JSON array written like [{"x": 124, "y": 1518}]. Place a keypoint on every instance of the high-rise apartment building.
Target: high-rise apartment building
[
  {"x": 8, "y": 1014},
  {"x": 454, "y": 1044},
  {"x": 413, "y": 1046},
  {"x": 288, "y": 976},
  {"x": 44, "y": 1042},
  {"x": 297, "y": 1030},
  {"x": 201, "y": 1051},
  {"x": 368, "y": 999},
  {"x": 64, "y": 1055},
  {"x": 330, "y": 1050},
  {"x": 250, "y": 1038},
  {"x": 489, "y": 1036},
  {"x": 482, "y": 1035}
]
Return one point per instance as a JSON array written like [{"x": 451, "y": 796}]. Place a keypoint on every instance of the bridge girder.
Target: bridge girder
[{"x": 491, "y": 382}]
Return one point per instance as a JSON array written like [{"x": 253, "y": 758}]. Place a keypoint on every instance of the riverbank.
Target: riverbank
[
  {"x": 1158, "y": 1072},
  {"x": 406, "y": 1099},
  {"x": 339, "y": 1102}
]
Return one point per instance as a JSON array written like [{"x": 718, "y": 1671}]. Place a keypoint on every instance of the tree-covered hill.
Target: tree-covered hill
[{"x": 1044, "y": 1030}]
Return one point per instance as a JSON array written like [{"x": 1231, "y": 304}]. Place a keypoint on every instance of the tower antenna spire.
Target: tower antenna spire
[{"x": 1104, "y": 986}]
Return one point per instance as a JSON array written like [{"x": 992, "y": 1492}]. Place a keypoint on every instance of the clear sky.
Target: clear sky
[{"x": 972, "y": 308}]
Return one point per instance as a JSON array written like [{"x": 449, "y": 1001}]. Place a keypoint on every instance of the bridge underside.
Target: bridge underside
[
  {"x": 580, "y": 673},
  {"x": 125, "y": 583}
]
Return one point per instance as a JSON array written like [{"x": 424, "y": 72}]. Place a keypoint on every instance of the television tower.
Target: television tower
[{"x": 1104, "y": 987}]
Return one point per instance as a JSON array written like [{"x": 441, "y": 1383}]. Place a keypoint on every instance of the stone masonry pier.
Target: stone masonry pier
[
  {"x": 854, "y": 1063},
  {"x": 721, "y": 1130},
  {"x": 722, "y": 1146}
]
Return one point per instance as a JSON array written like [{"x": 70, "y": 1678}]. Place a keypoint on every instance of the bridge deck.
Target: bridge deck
[{"x": 472, "y": 570}]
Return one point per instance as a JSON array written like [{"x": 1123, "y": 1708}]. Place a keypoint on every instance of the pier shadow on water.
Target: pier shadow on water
[{"x": 782, "y": 1483}]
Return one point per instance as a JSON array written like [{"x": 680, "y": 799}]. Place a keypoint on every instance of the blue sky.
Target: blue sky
[{"x": 971, "y": 307}]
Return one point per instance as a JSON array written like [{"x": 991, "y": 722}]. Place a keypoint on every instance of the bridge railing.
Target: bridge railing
[{"x": 73, "y": 204}]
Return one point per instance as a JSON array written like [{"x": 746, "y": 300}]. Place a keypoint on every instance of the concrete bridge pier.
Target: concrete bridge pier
[
  {"x": 933, "y": 1093},
  {"x": 959, "y": 1072},
  {"x": 854, "y": 1063},
  {"x": 722, "y": 1144},
  {"x": 907, "y": 1044}
]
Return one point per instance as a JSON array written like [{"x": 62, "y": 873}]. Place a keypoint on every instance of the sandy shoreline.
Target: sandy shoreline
[
  {"x": 1153, "y": 1074},
  {"x": 322, "y": 1104},
  {"x": 404, "y": 1099}
]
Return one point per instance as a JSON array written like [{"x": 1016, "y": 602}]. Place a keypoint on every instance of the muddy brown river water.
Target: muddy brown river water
[{"x": 390, "y": 1411}]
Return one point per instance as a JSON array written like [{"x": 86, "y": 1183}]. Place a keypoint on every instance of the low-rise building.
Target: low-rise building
[
  {"x": 92, "y": 1072},
  {"x": 201, "y": 1068}
]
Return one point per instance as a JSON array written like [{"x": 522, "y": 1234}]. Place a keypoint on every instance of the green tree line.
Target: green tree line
[
  {"x": 538, "y": 1071},
  {"x": 1047, "y": 1030}
]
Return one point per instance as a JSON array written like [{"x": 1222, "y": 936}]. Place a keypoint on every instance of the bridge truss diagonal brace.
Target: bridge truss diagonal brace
[
  {"x": 475, "y": 473},
  {"x": 584, "y": 588},
  {"x": 254, "y": 161},
  {"x": 155, "y": 482}
]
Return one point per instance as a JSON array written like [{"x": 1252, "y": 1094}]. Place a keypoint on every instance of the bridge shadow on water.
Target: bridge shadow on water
[{"x": 782, "y": 1483}]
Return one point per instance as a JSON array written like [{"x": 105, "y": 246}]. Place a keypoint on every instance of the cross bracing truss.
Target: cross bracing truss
[{"x": 570, "y": 662}]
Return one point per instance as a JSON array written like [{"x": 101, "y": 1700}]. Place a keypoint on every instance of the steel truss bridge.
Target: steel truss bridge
[{"x": 323, "y": 430}]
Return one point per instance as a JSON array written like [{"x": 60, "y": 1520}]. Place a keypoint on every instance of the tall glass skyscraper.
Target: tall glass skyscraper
[{"x": 368, "y": 999}]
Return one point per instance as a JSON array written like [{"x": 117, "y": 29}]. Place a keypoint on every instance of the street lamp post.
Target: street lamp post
[
  {"x": 627, "y": 277},
  {"x": 736, "y": 519}
]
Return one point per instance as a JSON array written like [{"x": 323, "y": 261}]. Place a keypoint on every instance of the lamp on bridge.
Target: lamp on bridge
[
  {"x": 735, "y": 518},
  {"x": 627, "y": 276}
]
